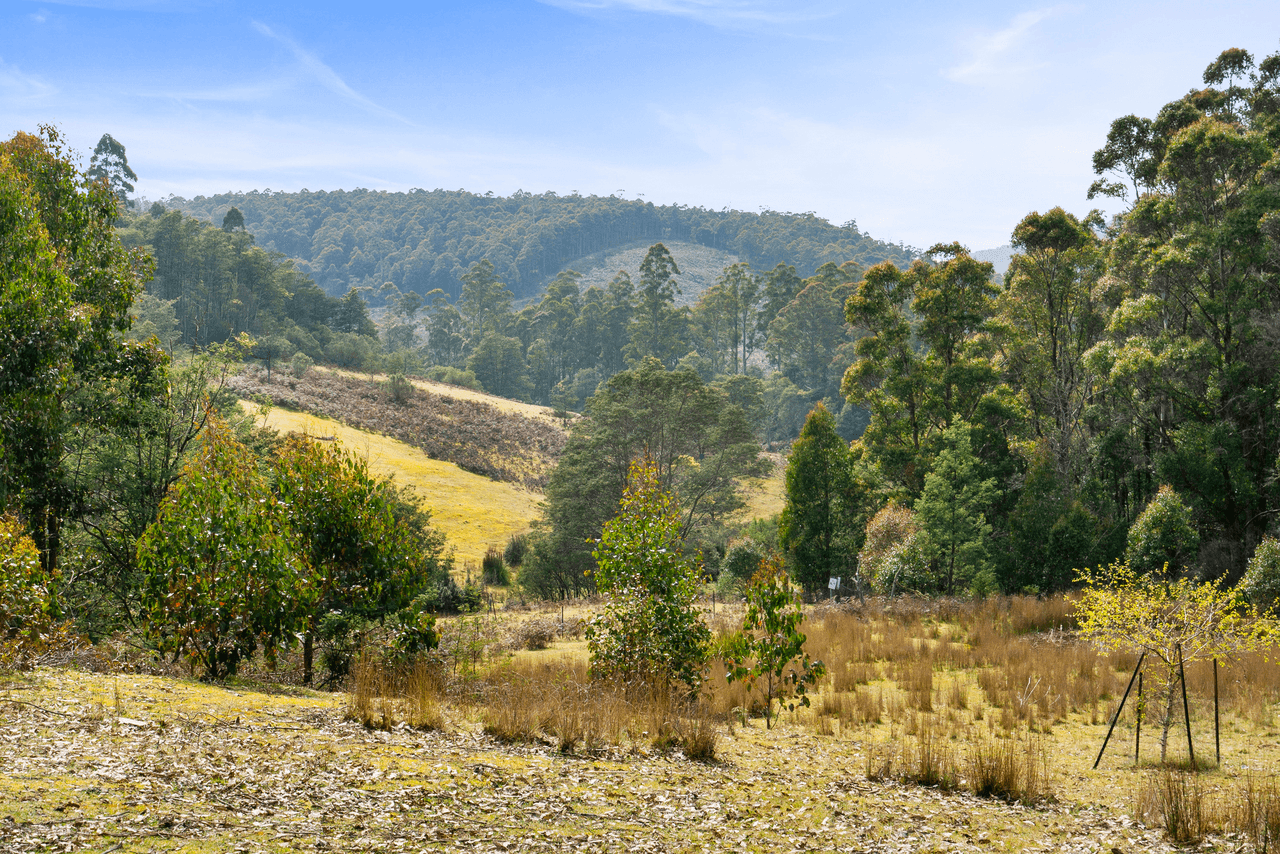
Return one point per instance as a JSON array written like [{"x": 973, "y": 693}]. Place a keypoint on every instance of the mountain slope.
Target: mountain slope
[{"x": 424, "y": 240}]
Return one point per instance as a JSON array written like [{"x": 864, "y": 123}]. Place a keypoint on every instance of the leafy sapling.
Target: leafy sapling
[{"x": 770, "y": 648}]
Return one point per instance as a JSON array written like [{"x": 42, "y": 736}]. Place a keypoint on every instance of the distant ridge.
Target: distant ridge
[
  {"x": 422, "y": 240},
  {"x": 999, "y": 257}
]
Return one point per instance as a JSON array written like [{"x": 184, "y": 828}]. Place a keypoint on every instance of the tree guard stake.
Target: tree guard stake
[
  {"x": 1120, "y": 709},
  {"x": 1186, "y": 711}
]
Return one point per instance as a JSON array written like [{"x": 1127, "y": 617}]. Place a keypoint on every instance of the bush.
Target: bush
[
  {"x": 26, "y": 602},
  {"x": 891, "y": 558},
  {"x": 517, "y": 548},
  {"x": 650, "y": 636},
  {"x": 220, "y": 577},
  {"x": 301, "y": 365},
  {"x": 741, "y": 562},
  {"x": 1163, "y": 538},
  {"x": 400, "y": 389},
  {"x": 453, "y": 376},
  {"x": 493, "y": 569},
  {"x": 1261, "y": 584}
]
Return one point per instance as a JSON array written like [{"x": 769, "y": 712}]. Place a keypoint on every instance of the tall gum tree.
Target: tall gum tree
[{"x": 1192, "y": 357}]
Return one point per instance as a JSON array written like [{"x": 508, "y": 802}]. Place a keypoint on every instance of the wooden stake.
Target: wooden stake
[
  {"x": 1186, "y": 709},
  {"x": 1116, "y": 716}
]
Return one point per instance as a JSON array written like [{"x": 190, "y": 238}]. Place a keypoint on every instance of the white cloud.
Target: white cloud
[
  {"x": 15, "y": 86},
  {"x": 1001, "y": 56},
  {"x": 128, "y": 5},
  {"x": 326, "y": 76},
  {"x": 229, "y": 94},
  {"x": 716, "y": 12}
]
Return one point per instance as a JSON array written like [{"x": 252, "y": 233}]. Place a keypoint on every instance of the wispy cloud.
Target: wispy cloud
[
  {"x": 16, "y": 86},
  {"x": 1000, "y": 55},
  {"x": 126, "y": 5},
  {"x": 716, "y": 12},
  {"x": 229, "y": 94},
  {"x": 326, "y": 76}
]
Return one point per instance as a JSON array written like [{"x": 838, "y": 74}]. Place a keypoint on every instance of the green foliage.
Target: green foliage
[
  {"x": 301, "y": 365},
  {"x": 516, "y": 550},
  {"x": 421, "y": 240},
  {"x": 892, "y": 559},
  {"x": 951, "y": 513},
  {"x": 136, "y": 429},
  {"x": 221, "y": 579},
  {"x": 346, "y": 529},
  {"x": 453, "y": 376},
  {"x": 771, "y": 641},
  {"x": 808, "y": 340},
  {"x": 233, "y": 220},
  {"x": 1163, "y": 539},
  {"x": 220, "y": 282},
  {"x": 27, "y": 606},
  {"x": 658, "y": 328},
  {"x": 822, "y": 523},
  {"x": 65, "y": 293},
  {"x": 742, "y": 561},
  {"x": 498, "y": 365},
  {"x": 400, "y": 389},
  {"x": 700, "y": 443},
  {"x": 650, "y": 636},
  {"x": 1261, "y": 583},
  {"x": 914, "y": 394},
  {"x": 493, "y": 569},
  {"x": 110, "y": 165}
]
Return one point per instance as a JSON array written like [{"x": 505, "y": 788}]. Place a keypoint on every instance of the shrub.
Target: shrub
[
  {"x": 220, "y": 577},
  {"x": 741, "y": 562},
  {"x": 26, "y": 601},
  {"x": 517, "y": 548},
  {"x": 1163, "y": 538},
  {"x": 400, "y": 389},
  {"x": 650, "y": 636},
  {"x": 1261, "y": 584},
  {"x": 891, "y": 530},
  {"x": 493, "y": 569},
  {"x": 771, "y": 642},
  {"x": 453, "y": 376},
  {"x": 301, "y": 364}
]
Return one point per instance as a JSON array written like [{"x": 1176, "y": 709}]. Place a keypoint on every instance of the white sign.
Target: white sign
[{"x": 833, "y": 584}]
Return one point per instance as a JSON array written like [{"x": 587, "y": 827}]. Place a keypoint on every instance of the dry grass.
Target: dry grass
[
  {"x": 1016, "y": 717},
  {"x": 474, "y": 512},
  {"x": 453, "y": 392},
  {"x": 476, "y": 436},
  {"x": 765, "y": 496}
]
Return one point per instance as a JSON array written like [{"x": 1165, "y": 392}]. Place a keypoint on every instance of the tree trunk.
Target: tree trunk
[
  {"x": 308, "y": 650},
  {"x": 1168, "y": 718}
]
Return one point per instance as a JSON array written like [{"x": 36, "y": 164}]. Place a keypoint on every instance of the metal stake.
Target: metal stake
[{"x": 1116, "y": 716}]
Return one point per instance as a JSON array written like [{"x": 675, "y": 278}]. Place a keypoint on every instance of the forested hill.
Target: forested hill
[{"x": 423, "y": 240}]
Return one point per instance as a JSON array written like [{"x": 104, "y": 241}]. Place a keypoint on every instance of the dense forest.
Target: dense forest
[
  {"x": 1116, "y": 394},
  {"x": 424, "y": 240}
]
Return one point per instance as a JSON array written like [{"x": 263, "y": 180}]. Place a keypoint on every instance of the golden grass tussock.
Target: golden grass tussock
[{"x": 474, "y": 512}]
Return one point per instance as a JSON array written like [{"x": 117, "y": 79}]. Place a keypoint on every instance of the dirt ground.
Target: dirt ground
[{"x": 97, "y": 762}]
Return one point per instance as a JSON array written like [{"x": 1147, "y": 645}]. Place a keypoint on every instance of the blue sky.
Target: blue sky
[{"x": 924, "y": 121}]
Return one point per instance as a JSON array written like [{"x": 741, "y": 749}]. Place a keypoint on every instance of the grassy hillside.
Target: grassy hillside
[
  {"x": 700, "y": 266},
  {"x": 506, "y": 442},
  {"x": 473, "y": 511}
]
